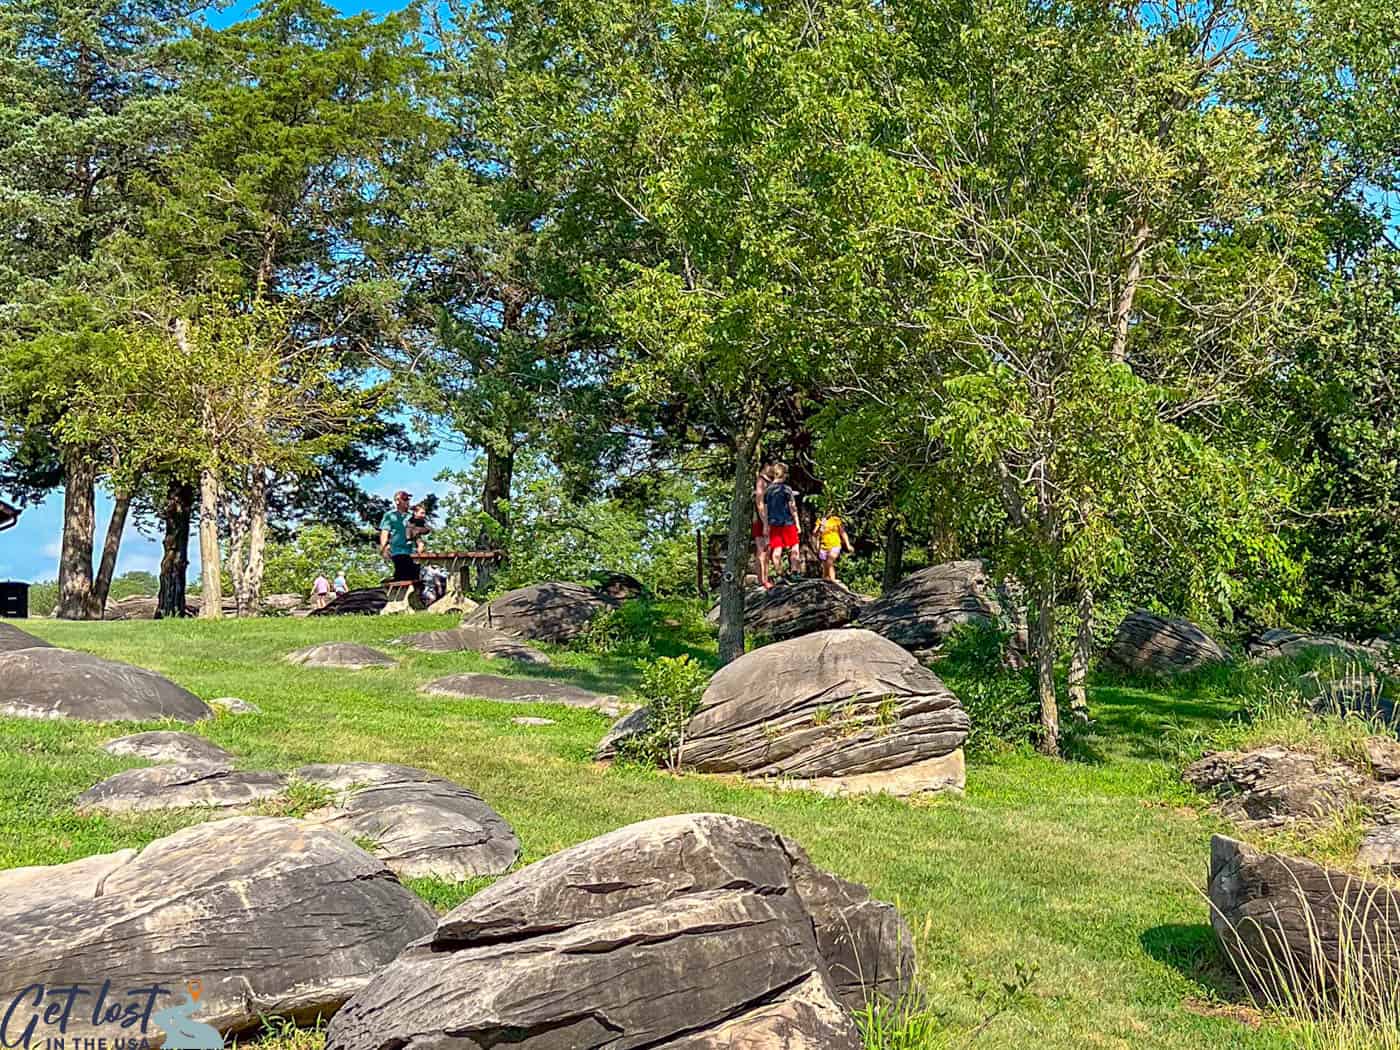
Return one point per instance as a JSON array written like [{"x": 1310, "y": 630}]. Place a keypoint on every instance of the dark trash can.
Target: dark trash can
[{"x": 14, "y": 600}]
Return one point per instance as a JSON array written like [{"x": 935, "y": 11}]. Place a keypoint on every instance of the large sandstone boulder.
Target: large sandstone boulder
[
  {"x": 1283, "y": 642},
  {"x": 347, "y": 656},
  {"x": 546, "y": 612},
  {"x": 483, "y": 640},
  {"x": 703, "y": 930},
  {"x": 793, "y": 609},
  {"x": 168, "y": 748},
  {"x": 926, "y": 606},
  {"x": 276, "y": 917},
  {"x": 1273, "y": 787},
  {"x": 419, "y": 824},
  {"x": 1154, "y": 644},
  {"x": 132, "y": 607},
  {"x": 12, "y": 638},
  {"x": 181, "y": 787},
  {"x": 59, "y": 683},
  {"x": 367, "y": 601},
  {"x": 618, "y": 585},
  {"x": 845, "y": 711},
  {"x": 521, "y": 691},
  {"x": 1290, "y": 926}
]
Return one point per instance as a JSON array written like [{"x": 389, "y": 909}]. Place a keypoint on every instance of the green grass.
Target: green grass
[{"x": 1086, "y": 873}]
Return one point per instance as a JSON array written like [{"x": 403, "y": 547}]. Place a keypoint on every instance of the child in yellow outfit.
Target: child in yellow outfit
[{"x": 831, "y": 541}]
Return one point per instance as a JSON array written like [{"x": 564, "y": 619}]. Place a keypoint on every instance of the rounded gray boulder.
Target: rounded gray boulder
[
  {"x": 483, "y": 640},
  {"x": 59, "y": 683},
  {"x": 521, "y": 691},
  {"x": 546, "y": 612},
  {"x": 276, "y": 917},
  {"x": 181, "y": 787},
  {"x": 1155, "y": 644},
  {"x": 347, "y": 656},
  {"x": 170, "y": 748}
]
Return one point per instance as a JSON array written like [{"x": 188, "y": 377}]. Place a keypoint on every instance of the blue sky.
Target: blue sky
[{"x": 29, "y": 551}]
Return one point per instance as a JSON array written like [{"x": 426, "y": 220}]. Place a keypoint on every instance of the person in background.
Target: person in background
[
  {"x": 831, "y": 541},
  {"x": 760, "y": 525},
  {"x": 418, "y": 527},
  {"x": 321, "y": 591},
  {"x": 781, "y": 524},
  {"x": 394, "y": 543},
  {"x": 339, "y": 584}
]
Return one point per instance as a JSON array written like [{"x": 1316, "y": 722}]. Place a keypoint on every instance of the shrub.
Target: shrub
[
  {"x": 670, "y": 687},
  {"x": 1000, "y": 702}
]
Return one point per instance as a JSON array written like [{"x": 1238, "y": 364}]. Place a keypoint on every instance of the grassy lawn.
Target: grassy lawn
[{"x": 1089, "y": 872}]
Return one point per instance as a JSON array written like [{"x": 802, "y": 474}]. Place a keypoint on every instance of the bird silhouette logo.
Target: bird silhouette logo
[{"x": 182, "y": 1031}]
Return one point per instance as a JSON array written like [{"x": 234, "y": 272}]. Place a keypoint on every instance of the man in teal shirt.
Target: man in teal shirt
[{"x": 393, "y": 539}]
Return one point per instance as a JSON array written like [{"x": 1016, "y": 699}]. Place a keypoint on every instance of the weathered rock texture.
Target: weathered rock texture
[
  {"x": 1280, "y": 641},
  {"x": 702, "y": 930},
  {"x": 1273, "y": 787},
  {"x": 483, "y": 640},
  {"x": 793, "y": 609},
  {"x": 1154, "y": 644},
  {"x": 546, "y": 612},
  {"x": 276, "y": 917},
  {"x": 829, "y": 708},
  {"x": 926, "y": 606},
  {"x": 625, "y": 728},
  {"x": 59, "y": 683},
  {"x": 181, "y": 787},
  {"x": 617, "y": 585},
  {"x": 347, "y": 656},
  {"x": 233, "y": 705},
  {"x": 520, "y": 691},
  {"x": 368, "y": 601},
  {"x": 12, "y": 638},
  {"x": 1290, "y": 925},
  {"x": 420, "y": 824},
  {"x": 170, "y": 748}
]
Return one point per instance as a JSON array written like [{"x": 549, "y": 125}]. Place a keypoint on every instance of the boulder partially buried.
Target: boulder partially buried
[
  {"x": 483, "y": 640},
  {"x": 170, "y": 748},
  {"x": 181, "y": 787},
  {"x": 1272, "y": 787},
  {"x": 277, "y": 918},
  {"x": 348, "y": 656},
  {"x": 928, "y": 605},
  {"x": 793, "y": 609},
  {"x": 1282, "y": 642},
  {"x": 367, "y": 601},
  {"x": 1155, "y": 644},
  {"x": 521, "y": 691},
  {"x": 59, "y": 683},
  {"x": 12, "y": 638},
  {"x": 685, "y": 931},
  {"x": 844, "y": 711},
  {"x": 419, "y": 824},
  {"x": 546, "y": 612},
  {"x": 1291, "y": 927}
]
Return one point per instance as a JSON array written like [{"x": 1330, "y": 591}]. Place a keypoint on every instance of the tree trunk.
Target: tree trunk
[
  {"x": 211, "y": 600},
  {"x": 1140, "y": 234},
  {"x": 894, "y": 555},
  {"x": 79, "y": 525},
  {"x": 1083, "y": 650},
  {"x": 495, "y": 504},
  {"x": 111, "y": 543},
  {"x": 250, "y": 598},
  {"x": 175, "y": 556},
  {"x": 1044, "y": 645},
  {"x": 237, "y": 553},
  {"x": 738, "y": 545}
]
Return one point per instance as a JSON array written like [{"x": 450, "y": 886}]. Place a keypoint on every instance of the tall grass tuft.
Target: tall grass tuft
[{"x": 1339, "y": 991}]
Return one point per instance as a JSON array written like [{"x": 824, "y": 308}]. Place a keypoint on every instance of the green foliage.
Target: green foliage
[
  {"x": 999, "y": 702},
  {"x": 670, "y": 688},
  {"x": 294, "y": 564}
]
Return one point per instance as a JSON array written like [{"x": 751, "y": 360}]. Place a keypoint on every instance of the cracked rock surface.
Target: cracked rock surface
[
  {"x": 926, "y": 606},
  {"x": 46, "y": 682},
  {"x": 521, "y": 691},
  {"x": 275, "y": 916},
  {"x": 180, "y": 787},
  {"x": 1154, "y": 644},
  {"x": 348, "y": 656},
  {"x": 695, "y": 931},
  {"x": 830, "y": 707},
  {"x": 420, "y": 824},
  {"x": 169, "y": 747},
  {"x": 545, "y": 612},
  {"x": 793, "y": 609},
  {"x": 483, "y": 640}
]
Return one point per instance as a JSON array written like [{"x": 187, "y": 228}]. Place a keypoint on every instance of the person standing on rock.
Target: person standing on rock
[
  {"x": 760, "y": 524},
  {"x": 831, "y": 541},
  {"x": 394, "y": 543},
  {"x": 781, "y": 524},
  {"x": 340, "y": 584},
  {"x": 321, "y": 590}
]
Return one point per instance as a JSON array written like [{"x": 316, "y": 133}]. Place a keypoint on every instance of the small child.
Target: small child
[
  {"x": 418, "y": 527},
  {"x": 831, "y": 541},
  {"x": 783, "y": 527}
]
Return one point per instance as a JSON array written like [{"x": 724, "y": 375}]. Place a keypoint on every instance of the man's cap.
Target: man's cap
[{"x": 405, "y": 494}]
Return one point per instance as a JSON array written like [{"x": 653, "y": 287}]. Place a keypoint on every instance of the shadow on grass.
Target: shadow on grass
[
  {"x": 1193, "y": 951},
  {"x": 1135, "y": 722}
]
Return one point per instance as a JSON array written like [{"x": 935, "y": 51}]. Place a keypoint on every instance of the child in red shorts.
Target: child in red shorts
[{"x": 782, "y": 526}]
